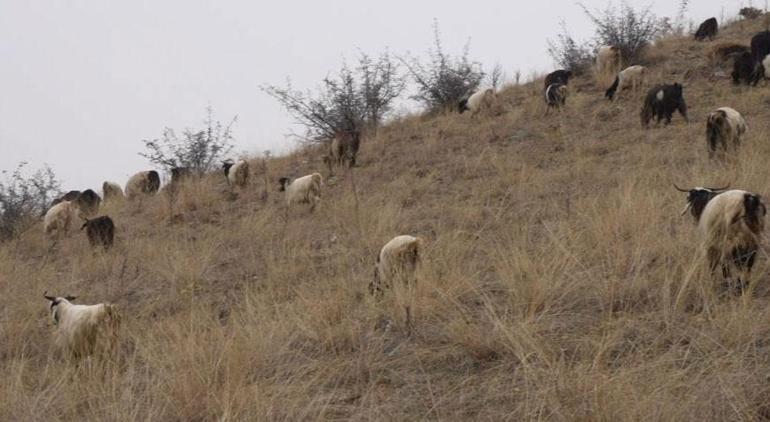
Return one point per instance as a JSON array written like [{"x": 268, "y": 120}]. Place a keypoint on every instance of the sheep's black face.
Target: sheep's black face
[
  {"x": 283, "y": 181},
  {"x": 696, "y": 201},
  {"x": 755, "y": 209},
  {"x": 226, "y": 166}
]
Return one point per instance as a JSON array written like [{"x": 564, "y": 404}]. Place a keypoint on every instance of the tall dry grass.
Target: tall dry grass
[{"x": 559, "y": 281}]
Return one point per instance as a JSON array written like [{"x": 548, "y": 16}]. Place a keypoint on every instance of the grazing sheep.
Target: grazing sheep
[
  {"x": 707, "y": 29},
  {"x": 662, "y": 101},
  {"x": 237, "y": 174},
  {"x": 112, "y": 190},
  {"x": 724, "y": 129},
  {"x": 100, "y": 231},
  {"x": 480, "y": 100},
  {"x": 743, "y": 68},
  {"x": 560, "y": 76},
  {"x": 89, "y": 202},
  {"x": 607, "y": 59},
  {"x": 730, "y": 225},
  {"x": 142, "y": 183},
  {"x": 84, "y": 330},
  {"x": 630, "y": 77},
  {"x": 59, "y": 218},
  {"x": 304, "y": 190},
  {"x": 555, "y": 96},
  {"x": 343, "y": 147},
  {"x": 397, "y": 261}
]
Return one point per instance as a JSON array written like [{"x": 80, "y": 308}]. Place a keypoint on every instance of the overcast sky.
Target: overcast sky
[{"x": 82, "y": 82}]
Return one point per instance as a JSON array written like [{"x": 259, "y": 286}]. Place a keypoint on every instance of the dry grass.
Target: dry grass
[{"x": 559, "y": 281}]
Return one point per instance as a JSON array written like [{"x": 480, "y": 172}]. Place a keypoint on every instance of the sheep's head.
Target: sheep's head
[
  {"x": 55, "y": 301},
  {"x": 755, "y": 210},
  {"x": 283, "y": 181},
  {"x": 698, "y": 197},
  {"x": 226, "y": 166}
]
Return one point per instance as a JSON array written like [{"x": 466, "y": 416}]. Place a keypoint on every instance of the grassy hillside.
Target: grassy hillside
[{"x": 559, "y": 281}]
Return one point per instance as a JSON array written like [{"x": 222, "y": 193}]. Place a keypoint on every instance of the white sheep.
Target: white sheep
[
  {"x": 724, "y": 129},
  {"x": 482, "y": 99},
  {"x": 397, "y": 261},
  {"x": 630, "y": 77},
  {"x": 59, "y": 219},
  {"x": 111, "y": 190},
  {"x": 237, "y": 173},
  {"x": 83, "y": 330},
  {"x": 607, "y": 59},
  {"x": 142, "y": 183},
  {"x": 730, "y": 225},
  {"x": 304, "y": 190}
]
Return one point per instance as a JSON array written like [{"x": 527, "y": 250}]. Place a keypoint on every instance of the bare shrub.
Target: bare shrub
[
  {"x": 568, "y": 53},
  {"x": 23, "y": 198}
]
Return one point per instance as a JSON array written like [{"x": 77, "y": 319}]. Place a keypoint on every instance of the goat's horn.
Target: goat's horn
[{"x": 680, "y": 189}]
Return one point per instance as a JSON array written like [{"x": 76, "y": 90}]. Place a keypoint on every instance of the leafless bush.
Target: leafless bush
[
  {"x": 568, "y": 53},
  {"x": 444, "y": 80},
  {"x": 629, "y": 29},
  {"x": 197, "y": 149},
  {"x": 23, "y": 198}
]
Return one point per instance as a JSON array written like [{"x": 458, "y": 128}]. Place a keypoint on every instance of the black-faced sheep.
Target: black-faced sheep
[
  {"x": 724, "y": 129},
  {"x": 607, "y": 59},
  {"x": 89, "y": 202},
  {"x": 343, "y": 148},
  {"x": 560, "y": 76},
  {"x": 304, "y": 190},
  {"x": 59, "y": 219},
  {"x": 630, "y": 77},
  {"x": 84, "y": 330},
  {"x": 142, "y": 183},
  {"x": 111, "y": 191},
  {"x": 662, "y": 101},
  {"x": 555, "y": 96},
  {"x": 396, "y": 262},
  {"x": 730, "y": 225},
  {"x": 707, "y": 29},
  {"x": 100, "y": 231},
  {"x": 237, "y": 174},
  {"x": 743, "y": 68},
  {"x": 483, "y": 99}
]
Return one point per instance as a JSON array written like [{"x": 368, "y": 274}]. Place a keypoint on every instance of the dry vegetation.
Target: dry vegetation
[{"x": 559, "y": 281}]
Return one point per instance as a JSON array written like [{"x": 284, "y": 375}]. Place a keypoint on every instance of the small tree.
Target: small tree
[
  {"x": 198, "y": 150},
  {"x": 444, "y": 80},
  {"x": 568, "y": 53},
  {"x": 23, "y": 198},
  {"x": 380, "y": 84},
  {"x": 629, "y": 29}
]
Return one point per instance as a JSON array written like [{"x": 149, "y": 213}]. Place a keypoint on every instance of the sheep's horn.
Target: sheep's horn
[
  {"x": 724, "y": 188},
  {"x": 680, "y": 189},
  {"x": 50, "y": 298}
]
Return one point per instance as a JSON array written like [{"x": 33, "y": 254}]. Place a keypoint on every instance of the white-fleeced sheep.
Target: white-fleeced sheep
[
  {"x": 59, "y": 219},
  {"x": 237, "y": 174},
  {"x": 730, "y": 225},
  {"x": 724, "y": 130},
  {"x": 480, "y": 100},
  {"x": 396, "y": 262},
  {"x": 630, "y": 77},
  {"x": 83, "y": 330},
  {"x": 303, "y": 190},
  {"x": 142, "y": 183},
  {"x": 111, "y": 191}
]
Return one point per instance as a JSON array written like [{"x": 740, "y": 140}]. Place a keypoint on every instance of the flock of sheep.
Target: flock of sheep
[{"x": 730, "y": 222}]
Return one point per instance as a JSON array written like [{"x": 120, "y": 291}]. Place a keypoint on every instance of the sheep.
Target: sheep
[
  {"x": 743, "y": 68},
  {"x": 662, "y": 101},
  {"x": 730, "y": 223},
  {"x": 343, "y": 147},
  {"x": 304, "y": 190},
  {"x": 111, "y": 190},
  {"x": 630, "y": 77},
  {"x": 100, "y": 231},
  {"x": 84, "y": 330},
  {"x": 59, "y": 218},
  {"x": 237, "y": 174},
  {"x": 607, "y": 59},
  {"x": 707, "y": 29},
  {"x": 555, "y": 96},
  {"x": 724, "y": 129},
  {"x": 480, "y": 100},
  {"x": 760, "y": 46},
  {"x": 142, "y": 183},
  {"x": 397, "y": 261},
  {"x": 88, "y": 202},
  {"x": 557, "y": 76}
]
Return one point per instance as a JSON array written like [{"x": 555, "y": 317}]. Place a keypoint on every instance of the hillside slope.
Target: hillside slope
[{"x": 559, "y": 281}]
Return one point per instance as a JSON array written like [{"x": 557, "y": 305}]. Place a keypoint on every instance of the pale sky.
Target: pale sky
[{"x": 82, "y": 82}]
